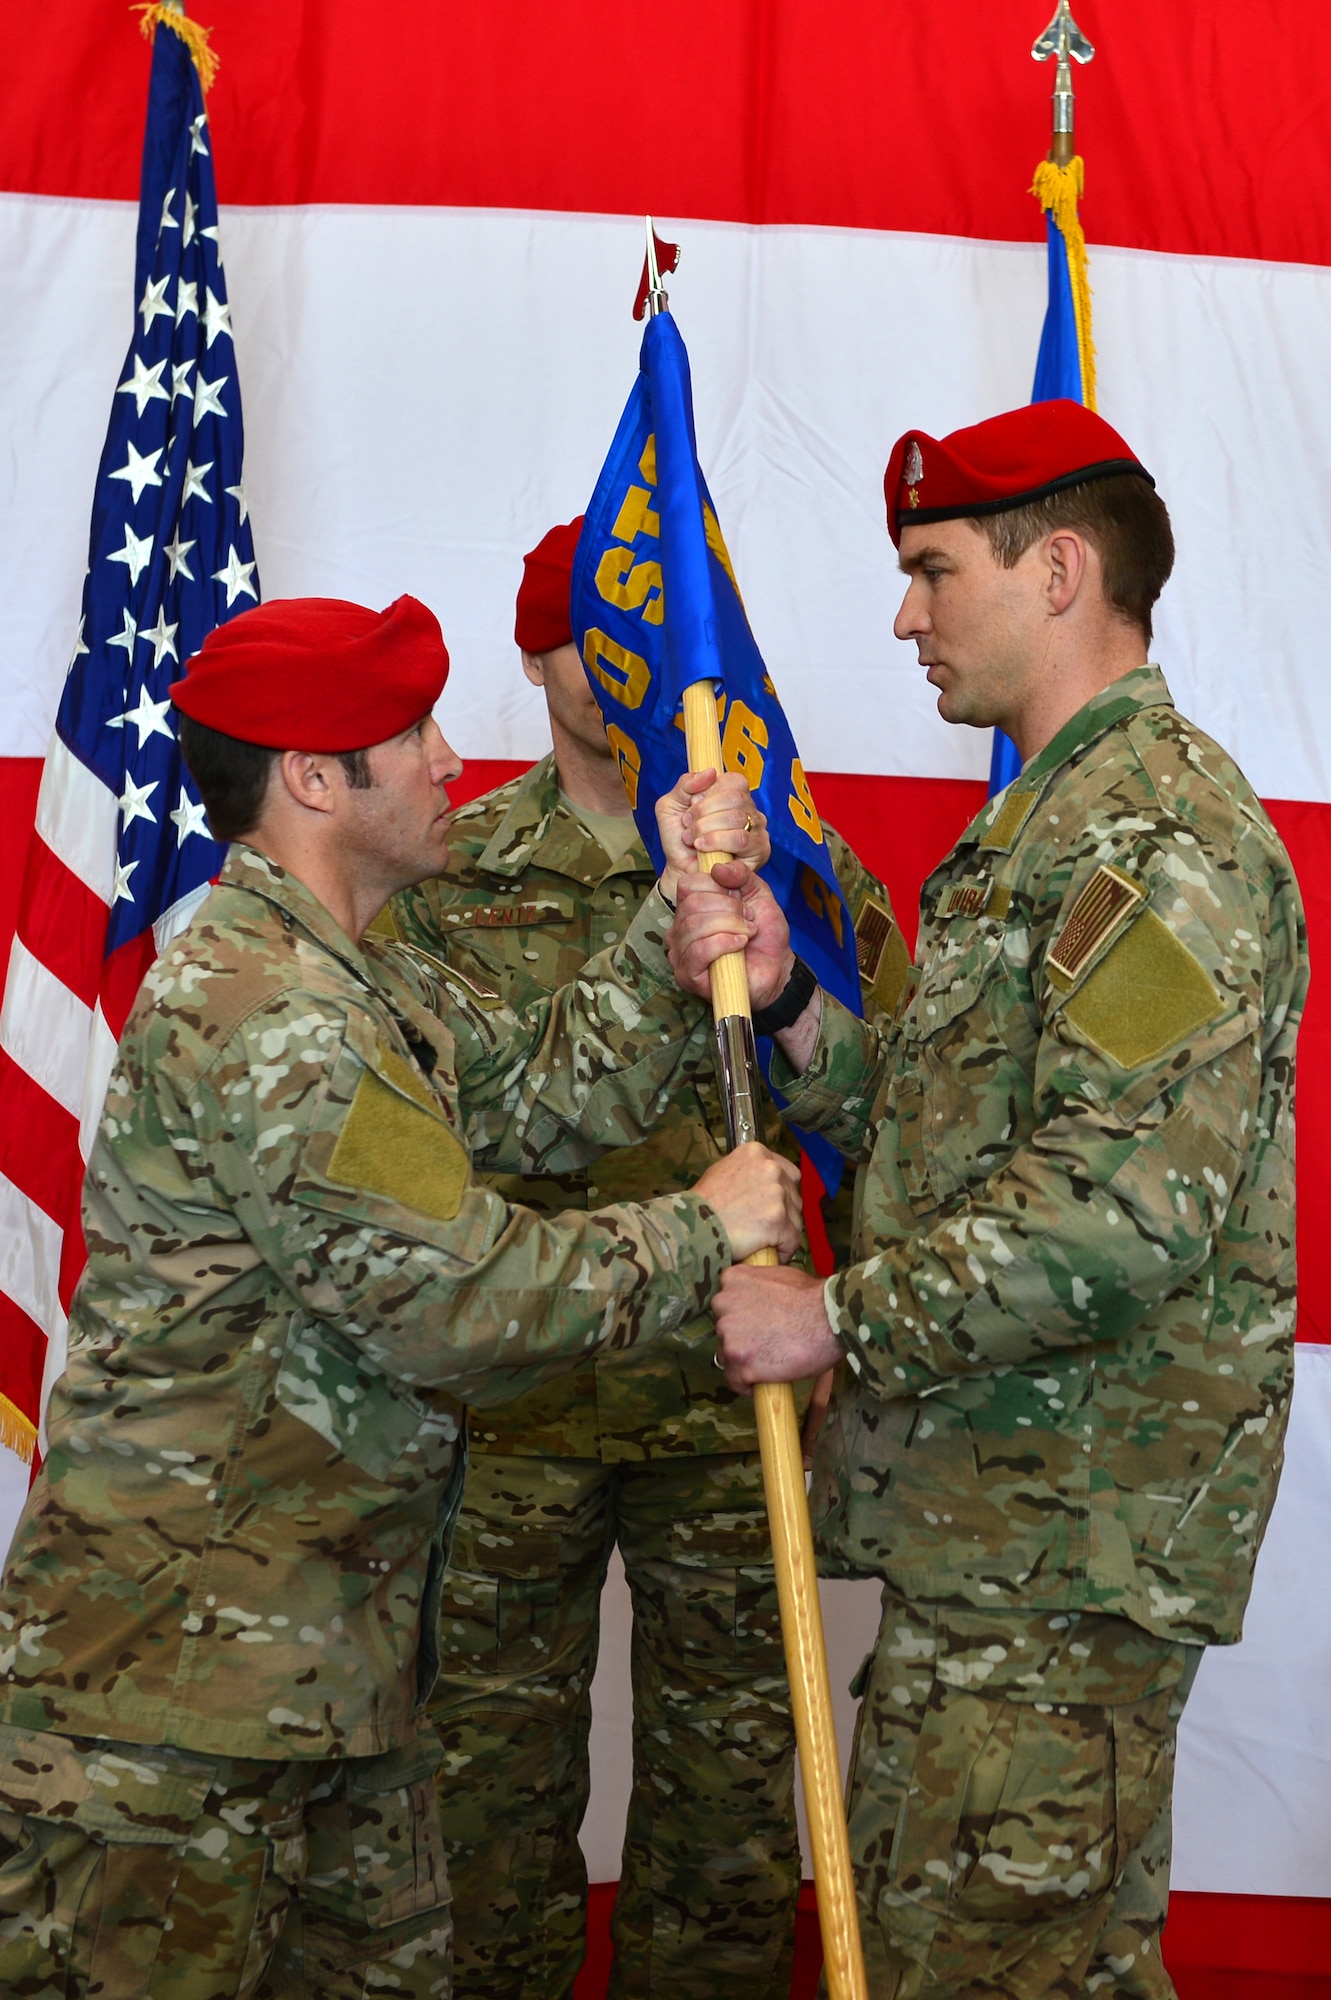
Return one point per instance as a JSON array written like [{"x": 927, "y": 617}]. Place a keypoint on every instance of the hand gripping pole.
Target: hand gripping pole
[{"x": 783, "y": 1475}]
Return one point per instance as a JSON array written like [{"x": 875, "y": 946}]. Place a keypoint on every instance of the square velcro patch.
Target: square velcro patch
[
  {"x": 1147, "y": 994},
  {"x": 881, "y": 951},
  {"x": 1102, "y": 908},
  {"x": 393, "y": 1147}
]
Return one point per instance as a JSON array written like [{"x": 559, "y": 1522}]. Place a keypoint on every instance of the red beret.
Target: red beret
[
  {"x": 313, "y": 673},
  {"x": 543, "y": 621},
  {"x": 1002, "y": 463}
]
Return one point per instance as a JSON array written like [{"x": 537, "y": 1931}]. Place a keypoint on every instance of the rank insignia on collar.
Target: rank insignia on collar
[
  {"x": 1104, "y": 906},
  {"x": 913, "y": 472}
]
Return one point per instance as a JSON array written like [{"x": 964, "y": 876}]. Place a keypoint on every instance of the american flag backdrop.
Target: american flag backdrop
[{"x": 121, "y": 854}]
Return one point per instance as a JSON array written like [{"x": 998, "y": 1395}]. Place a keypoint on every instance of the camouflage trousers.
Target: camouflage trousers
[
  {"x": 1009, "y": 1804},
  {"x": 128, "y": 1871},
  {"x": 711, "y": 1869}
]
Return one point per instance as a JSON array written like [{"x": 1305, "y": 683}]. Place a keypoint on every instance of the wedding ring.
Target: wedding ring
[{"x": 748, "y": 823}]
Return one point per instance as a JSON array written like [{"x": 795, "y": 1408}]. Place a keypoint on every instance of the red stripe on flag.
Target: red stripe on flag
[
  {"x": 20, "y": 778},
  {"x": 122, "y": 976},
  {"x": 62, "y": 922},
  {"x": 39, "y": 1142},
  {"x": 22, "y": 1358},
  {"x": 857, "y": 116}
]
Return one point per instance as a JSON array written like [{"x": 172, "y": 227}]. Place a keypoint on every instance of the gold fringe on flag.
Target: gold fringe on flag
[
  {"x": 17, "y": 1433},
  {"x": 1058, "y": 190},
  {"x": 163, "y": 13}
]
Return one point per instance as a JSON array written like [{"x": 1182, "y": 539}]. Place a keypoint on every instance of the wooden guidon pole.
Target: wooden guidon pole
[{"x": 783, "y": 1479}]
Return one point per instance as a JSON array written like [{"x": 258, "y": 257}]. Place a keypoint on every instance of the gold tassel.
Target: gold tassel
[
  {"x": 161, "y": 13},
  {"x": 1058, "y": 190},
  {"x": 17, "y": 1434}
]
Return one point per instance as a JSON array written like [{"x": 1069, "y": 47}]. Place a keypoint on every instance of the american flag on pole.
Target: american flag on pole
[{"x": 121, "y": 855}]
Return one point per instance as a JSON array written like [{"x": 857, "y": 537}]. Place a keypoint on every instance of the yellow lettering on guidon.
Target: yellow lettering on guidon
[
  {"x": 630, "y": 585},
  {"x": 623, "y": 674},
  {"x": 627, "y": 756},
  {"x": 743, "y": 743},
  {"x": 821, "y": 900},
  {"x": 802, "y": 808}
]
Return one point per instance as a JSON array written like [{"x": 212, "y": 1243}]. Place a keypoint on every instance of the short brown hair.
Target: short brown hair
[
  {"x": 1122, "y": 517},
  {"x": 233, "y": 776}
]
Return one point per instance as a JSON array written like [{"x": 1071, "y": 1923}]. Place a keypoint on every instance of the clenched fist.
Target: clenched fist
[{"x": 757, "y": 1196}]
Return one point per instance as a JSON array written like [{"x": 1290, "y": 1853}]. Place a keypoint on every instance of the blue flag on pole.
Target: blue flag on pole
[
  {"x": 1065, "y": 365},
  {"x": 656, "y": 607}
]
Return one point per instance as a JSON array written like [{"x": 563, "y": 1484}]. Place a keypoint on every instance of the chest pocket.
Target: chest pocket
[
  {"x": 379, "y": 1426},
  {"x": 953, "y": 1100}
]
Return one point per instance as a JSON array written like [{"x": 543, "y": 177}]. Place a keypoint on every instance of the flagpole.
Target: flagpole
[{"x": 779, "y": 1435}]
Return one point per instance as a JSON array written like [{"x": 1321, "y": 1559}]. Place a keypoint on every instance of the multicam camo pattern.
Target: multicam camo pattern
[
  {"x": 650, "y": 1450},
  {"x": 529, "y": 895},
  {"x": 236, "y": 1541},
  {"x": 711, "y": 1866},
  {"x": 1070, "y": 1332},
  {"x": 1009, "y": 1803},
  {"x": 146, "y": 1871}
]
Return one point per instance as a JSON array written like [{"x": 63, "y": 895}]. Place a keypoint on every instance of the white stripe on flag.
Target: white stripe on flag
[
  {"x": 77, "y": 818},
  {"x": 101, "y": 1053},
  {"x": 30, "y": 1257},
  {"x": 45, "y": 1028}
]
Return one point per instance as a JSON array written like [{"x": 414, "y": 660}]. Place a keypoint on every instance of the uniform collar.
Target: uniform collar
[
  {"x": 998, "y": 825},
  {"x": 538, "y": 829},
  {"x": 245, "y": 868}
]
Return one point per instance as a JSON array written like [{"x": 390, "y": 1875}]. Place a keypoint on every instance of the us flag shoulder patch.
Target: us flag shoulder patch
[{"x": 1102, "y": 909}]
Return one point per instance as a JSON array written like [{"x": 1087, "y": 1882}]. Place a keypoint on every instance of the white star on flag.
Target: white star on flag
[
  {"x": 216, "y": 317},
  {"x": 168, "y": 220},
  {"x": 148, "y": 717},
  {"x": 140, "y": 472},
  {"x": 196, "y": 132},
  {"x": 190, "y": 211},
  {"x": 179, "y": 385},
  {"x": 175, "y": 553},
  {"x": 162, "y": 637},
  {"x": 124, "y": 638},
  {"x": 135, "y": 554},
  {"x": 122, "y": 893},
  {"x": 208, "y": 397},
  {"x": 153, "y": 303},
  {"x": 145, "y": 384},
  {"x": 194, "y": 486},
  {"x": 187, "y": 300},
  {"x": 236, "y": 576},
  {"x": 237, "y": 493},
  {"x": 134, "y": 802},
  {"x": 79, "y": 646},
  {"x": 188, "y": 818}
]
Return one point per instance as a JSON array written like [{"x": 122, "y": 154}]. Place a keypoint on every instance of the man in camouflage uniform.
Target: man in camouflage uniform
[
  {"x": 651, "y": 1451},
  {"x": 218, "y": 1618},
  {"x": 1067, "y": 1328}
]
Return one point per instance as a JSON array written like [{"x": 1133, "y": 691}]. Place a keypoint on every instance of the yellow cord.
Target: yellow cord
[
  {"x": 17, "y": 1433},
  {"x": 1058, "y": 190},
  {"x": 155, "y": 13}
]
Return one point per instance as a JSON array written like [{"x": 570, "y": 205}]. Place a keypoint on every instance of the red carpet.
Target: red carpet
[{"x": 1216, "y": 1947}]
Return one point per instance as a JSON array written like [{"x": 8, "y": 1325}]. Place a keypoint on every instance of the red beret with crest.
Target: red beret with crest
[{"x": 1002, "y": 463}]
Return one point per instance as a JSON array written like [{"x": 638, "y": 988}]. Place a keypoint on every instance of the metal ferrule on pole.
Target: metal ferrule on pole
[{"x": 737, "y": 1066}]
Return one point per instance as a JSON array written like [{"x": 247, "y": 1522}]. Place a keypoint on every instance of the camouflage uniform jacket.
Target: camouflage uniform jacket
[
  {"x": 236, "y": 1541},
  {"x": 1069, "y": 1341},
  {"x": 530, "y": 894}
]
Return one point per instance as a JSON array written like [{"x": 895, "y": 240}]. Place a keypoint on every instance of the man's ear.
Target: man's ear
[
  {"x": 1067, "y": 555},
  {"x": 307, "y": 777},
  {"x": 533, "y": 666}
]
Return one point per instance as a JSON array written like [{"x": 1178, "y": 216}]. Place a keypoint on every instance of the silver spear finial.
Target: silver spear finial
[{"x": 1064, "y": 40}]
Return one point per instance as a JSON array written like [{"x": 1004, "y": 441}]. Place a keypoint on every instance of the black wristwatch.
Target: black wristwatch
[{"x": 790, "y": 1002}]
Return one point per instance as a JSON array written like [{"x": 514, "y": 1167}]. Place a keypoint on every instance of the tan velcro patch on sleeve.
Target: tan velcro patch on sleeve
[
  {"x": 881, "y": 951},
  {"x": 1103, "y": 907},
  {"x": 390, "y": 1147},
  {"x": 1147, "y": 994}
]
